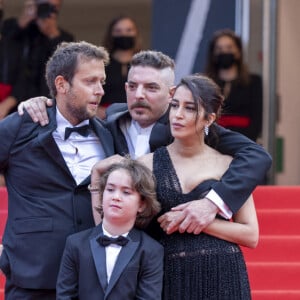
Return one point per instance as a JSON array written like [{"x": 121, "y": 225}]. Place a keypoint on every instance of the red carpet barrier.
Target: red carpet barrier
[{"x": 274, "y": 266}]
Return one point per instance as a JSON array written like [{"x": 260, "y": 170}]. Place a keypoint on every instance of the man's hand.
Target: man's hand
[
  {"x": 171, "y": 216},
  {"x": 28, "y": 14},
  {"x": 191, "y": 217},
  {"x": 36, "y": 108},
  {"x": 101, "y": 166}
]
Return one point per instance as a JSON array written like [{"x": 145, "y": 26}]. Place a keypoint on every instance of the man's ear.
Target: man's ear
[
  {"x": 171, "y": 92},
  {"x": 62, "y": 86}
]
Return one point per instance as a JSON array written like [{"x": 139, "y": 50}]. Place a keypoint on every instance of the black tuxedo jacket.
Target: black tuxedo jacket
[
  {"x": 45, "y": 204},
  {"x": 248, "y": 168},
  {"x": 138, "y": 271}
]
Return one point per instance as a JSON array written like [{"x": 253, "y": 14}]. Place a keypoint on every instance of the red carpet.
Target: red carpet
[
  {"x": 274, "y": 266},
  {"x": 3, "y": 215}
]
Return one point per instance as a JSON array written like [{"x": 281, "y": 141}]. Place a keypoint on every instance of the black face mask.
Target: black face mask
[
  {"x": 225, "y": 60},
  {"x": 123, "y": 42}
]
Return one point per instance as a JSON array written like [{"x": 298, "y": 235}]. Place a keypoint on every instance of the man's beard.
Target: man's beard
[{"x": 79, "y": 113}]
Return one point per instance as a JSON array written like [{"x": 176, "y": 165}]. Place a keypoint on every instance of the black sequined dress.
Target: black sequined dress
[{"x": 196, "y": 266}]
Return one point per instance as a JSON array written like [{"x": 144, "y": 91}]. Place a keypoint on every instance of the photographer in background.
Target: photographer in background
[{"x": 27, "y": 43}]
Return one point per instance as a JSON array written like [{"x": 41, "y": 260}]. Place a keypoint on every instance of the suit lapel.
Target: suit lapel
[
  {"x": 104, "y": 136},
  {"x": 47, "y": 142},
  {"x": 123, "y": 259},
  {"x": 161, "y": 133},
  {"x": 98, "y": 253},
  {"x": 114, "y": 124}
]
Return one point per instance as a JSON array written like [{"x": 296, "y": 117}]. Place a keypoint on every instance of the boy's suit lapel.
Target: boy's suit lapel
[
  {"x": 99, "y": 257},
  {"x": 123, "y": 259}
]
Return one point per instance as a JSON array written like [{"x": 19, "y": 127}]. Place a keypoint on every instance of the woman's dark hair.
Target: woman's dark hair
[
  {"x": 211, "y": 70},
  {"x": 143, "y": 181},
  {"x": 207, "y": 95},
  {"x": 108, "y": 38}
]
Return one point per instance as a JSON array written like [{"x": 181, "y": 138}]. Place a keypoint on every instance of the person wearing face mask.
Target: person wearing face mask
[
  {"x": 242, "y": 109},
  {"x": 122, "y": 41},
  {"x": 27, "y": 42}
]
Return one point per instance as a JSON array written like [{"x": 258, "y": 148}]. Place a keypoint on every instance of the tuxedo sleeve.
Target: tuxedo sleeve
[
  {"x": 67, "y": 281},
  {"x": 247, "y": 170},
  {"x": 151, "y": 276},
  {"x": 9, "y": 129}
]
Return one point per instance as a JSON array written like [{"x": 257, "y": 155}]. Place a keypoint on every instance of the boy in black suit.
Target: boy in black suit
[{"x": 114, "y": 260}]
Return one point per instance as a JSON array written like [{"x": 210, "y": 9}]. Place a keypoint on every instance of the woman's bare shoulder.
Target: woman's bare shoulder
[{"x": 147, "y": 160}]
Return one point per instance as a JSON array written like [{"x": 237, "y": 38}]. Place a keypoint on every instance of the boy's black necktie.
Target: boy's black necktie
[
  {"x": 82, "y": 130},
  {"x": 106, "y": 240}
]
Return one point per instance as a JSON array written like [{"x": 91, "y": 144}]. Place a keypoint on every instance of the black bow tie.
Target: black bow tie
[
  {"x": 106, "y": 240},
  {"x": 82, "y": 130}
]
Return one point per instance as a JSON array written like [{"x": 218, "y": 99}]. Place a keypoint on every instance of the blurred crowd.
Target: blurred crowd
[{"x": 28, "y": 40}]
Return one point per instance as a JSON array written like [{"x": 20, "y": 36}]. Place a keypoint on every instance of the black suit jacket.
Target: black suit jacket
[
  {"x": 248, "y": 168},
  {"x": 138, "y": 271},
  {"x": 45, "y": 204}
]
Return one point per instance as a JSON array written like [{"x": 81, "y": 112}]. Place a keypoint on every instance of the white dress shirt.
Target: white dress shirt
[
  {"x": 80, "y": 153},
  {"x": 137, "y": 138},
  {"x": 112, "y": 252}
]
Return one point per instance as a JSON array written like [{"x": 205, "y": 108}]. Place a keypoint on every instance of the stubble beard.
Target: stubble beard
[{"x": 76, "y": 112}]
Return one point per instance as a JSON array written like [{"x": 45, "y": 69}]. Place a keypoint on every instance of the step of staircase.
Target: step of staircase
[
  {"x": 3, "y": 217},
  {"x": 3, "y": 198},
  {"x": 284, "y": 248},
  {"x": 2, "y": 284},
  {"x": 274, "y": 275},
  {"x": 276, "y": 295},
  {"x": 277, "y": 197},
  {"x": 2, "y": 280},
  {"x": 279, "y": 221}
]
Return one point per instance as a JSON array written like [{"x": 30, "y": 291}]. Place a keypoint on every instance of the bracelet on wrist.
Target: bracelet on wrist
[{"x": 93, "y": 189}]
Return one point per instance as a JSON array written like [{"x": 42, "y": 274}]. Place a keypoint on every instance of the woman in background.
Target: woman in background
[
  {"x": 242, "y": 110},
  {"x": 122, "y": 41}
]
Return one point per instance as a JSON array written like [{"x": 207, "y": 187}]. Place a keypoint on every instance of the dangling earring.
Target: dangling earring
[{"x": 206, "y": 130}]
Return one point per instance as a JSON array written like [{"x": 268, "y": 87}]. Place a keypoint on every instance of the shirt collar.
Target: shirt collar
[
  {"x": 105, "y": 232},
  {"x": 62, "y": 123},
  {"x": 141, "y": 130}
]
